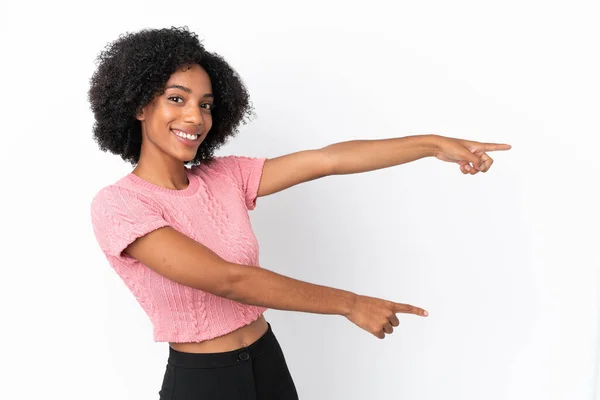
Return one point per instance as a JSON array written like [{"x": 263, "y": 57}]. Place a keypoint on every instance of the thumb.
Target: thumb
[{"x": 473, "y": 159}]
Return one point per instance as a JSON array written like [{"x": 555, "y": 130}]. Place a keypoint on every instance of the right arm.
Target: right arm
[{"x": 183, "y": 260}]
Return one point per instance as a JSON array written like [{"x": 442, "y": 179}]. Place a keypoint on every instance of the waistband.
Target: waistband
[{"x": 216, "y": 360}]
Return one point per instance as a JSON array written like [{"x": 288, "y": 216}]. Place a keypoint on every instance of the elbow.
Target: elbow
[
  {"x": 231, "y": 283},
  {"x": 328, "y": 162}
]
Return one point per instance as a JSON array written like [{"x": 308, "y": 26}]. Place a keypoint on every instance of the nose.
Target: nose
[{"x": 193, "y": 115}]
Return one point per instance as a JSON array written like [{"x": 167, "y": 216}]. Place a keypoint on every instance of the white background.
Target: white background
[{"x": 505, "y": 262}]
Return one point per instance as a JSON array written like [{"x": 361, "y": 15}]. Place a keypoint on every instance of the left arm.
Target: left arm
[
  {"x": 368, "y": 155},
  {"x": 358, "y": 156}
]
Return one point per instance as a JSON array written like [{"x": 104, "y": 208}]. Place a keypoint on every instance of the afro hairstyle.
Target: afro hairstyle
[{"x": 134, "y": 69}]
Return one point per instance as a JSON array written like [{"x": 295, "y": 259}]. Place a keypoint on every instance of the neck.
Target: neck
[{"x": 161, "y": 170}]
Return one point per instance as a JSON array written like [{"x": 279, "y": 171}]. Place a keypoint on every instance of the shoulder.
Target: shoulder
[
  {"x": 218, "y": 163},
  {"x": 231, "y": 164},
  {"x": 243, "y": 170},
  {"x": 119, "y": 199},
  {"x": 229, "y": 161},
  {"x": 222, "y": 167},
  {"x": 120, "y": 215}
]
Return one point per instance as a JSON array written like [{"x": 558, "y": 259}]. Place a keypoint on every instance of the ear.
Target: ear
[{"x": 141, "y": 115}]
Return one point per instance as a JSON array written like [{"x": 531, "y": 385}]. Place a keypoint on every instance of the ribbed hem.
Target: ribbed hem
[
  {"x": 123, "y": 242},
  {"x": 254, "y": 184},
  {"x": 164, "y": 334}
]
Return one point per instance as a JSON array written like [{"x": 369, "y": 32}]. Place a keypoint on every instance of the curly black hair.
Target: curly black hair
[{"x": 134, "y": 69}]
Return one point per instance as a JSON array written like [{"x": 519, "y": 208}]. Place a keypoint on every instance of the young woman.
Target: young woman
[{"x": 177, "y": 231}]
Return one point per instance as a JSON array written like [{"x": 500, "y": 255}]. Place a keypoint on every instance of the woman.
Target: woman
[{"x": 177, "y": 231}]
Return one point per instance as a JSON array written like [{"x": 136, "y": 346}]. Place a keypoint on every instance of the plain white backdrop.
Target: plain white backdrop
[{"x": 506, "y": 262}]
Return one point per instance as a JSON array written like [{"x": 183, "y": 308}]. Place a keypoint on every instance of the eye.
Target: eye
[
  {"x": 208, "y": 106},
  {"x": 175, "y": 97}
]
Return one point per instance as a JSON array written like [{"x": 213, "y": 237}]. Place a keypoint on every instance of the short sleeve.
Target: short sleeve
[
  {"x": 120, "y": 216},
  {"x": 247, "y": 171}
]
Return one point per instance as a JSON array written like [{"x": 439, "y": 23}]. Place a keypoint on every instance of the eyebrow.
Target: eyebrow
[{"x": 187, "y": 90}]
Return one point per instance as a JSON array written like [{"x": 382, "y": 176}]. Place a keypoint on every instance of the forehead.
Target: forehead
[{"x": 192, "y": 76}]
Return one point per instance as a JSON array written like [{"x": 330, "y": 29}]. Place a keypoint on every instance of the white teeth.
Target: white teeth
[{"x": 186, "y": 135}]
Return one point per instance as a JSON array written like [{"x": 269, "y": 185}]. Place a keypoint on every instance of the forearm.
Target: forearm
[
  {"x": 264, "y": 288},
  {"x": 368, "y": 155}
]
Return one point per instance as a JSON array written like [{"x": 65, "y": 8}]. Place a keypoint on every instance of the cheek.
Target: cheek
[
  {"x": 208, "y": 121},
  {"x": 163, "y": 114},
  {"x": 169, "y": 114}
]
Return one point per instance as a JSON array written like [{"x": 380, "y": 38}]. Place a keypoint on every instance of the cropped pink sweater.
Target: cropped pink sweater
[{"x": 212, "y": 210}]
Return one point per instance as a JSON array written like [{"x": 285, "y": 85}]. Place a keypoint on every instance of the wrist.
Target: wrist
[
  {"x": 349, "y": 304},
  {"x": 433, "y": 144}
]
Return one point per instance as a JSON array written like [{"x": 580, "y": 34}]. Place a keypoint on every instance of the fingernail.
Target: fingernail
[{"x": 425, "y": 313}]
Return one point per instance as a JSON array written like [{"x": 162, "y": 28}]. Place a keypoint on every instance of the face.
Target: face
[{"x": 176, "y": 122}]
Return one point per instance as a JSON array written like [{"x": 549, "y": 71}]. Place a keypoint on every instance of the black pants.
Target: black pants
[{"x": 256, "y": 372}]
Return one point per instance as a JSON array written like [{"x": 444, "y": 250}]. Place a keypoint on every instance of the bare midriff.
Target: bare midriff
[{"x": 235, "y": 340}]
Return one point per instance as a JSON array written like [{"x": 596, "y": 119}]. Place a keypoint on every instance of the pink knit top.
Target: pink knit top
[{"x": 212, "y": 210}]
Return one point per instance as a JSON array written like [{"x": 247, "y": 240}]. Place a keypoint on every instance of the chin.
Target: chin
[
  {"x": 186, "y": 158},
  {"x": 184, "y": 155}
]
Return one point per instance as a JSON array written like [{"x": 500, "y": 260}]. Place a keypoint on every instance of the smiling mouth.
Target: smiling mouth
[{"x": 184, "y": 135}]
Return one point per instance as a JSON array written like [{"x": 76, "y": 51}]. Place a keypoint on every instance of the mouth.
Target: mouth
[{"x": 186, "y": 138}]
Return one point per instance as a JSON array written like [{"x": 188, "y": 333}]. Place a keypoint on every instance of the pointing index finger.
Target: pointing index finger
[
  {"x": 496, "y": 146},
  {"x": 408, "y": 309}
]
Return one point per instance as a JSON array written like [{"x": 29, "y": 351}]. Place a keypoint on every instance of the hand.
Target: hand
[
  {"x": 471, "y": 156},
  {"x": 378, "y": 316}
]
